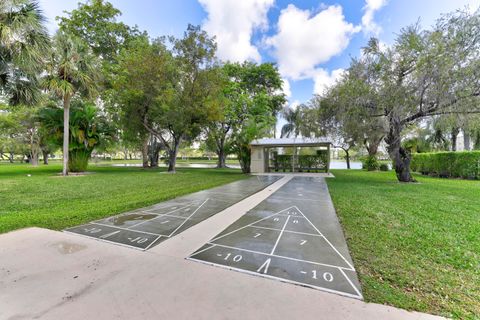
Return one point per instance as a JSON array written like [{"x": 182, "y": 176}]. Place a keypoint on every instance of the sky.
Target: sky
[{"x": 311, "y": 42}]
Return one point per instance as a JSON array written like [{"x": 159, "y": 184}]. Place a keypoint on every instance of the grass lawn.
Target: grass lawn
[
  {"x": 139, "y": 161},
  {"x": 415, "y": 246},
  {"x": 51, "y": 201}
]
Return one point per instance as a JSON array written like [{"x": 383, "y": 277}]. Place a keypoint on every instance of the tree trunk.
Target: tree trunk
[
  {"x": 45, "y": 157},
  {"x": 34, "y": 158},
  {"x": 221, "y": 163},
  {"x": 466, "y": 140},
  {"x": 125, "y": 156},
  {"x": 172, "y": 155},
  {"x": 145, "y": 152},
  {"x": 221, "y": 159},
  {"x": 453, "y": 138},
  {"x": 10, "y": 158},
  {"x": 476, "y": 140},
  {"x": 347, "y": 157},
  {"x": 244, "y": 158},
  {"x": 66, "y": 133},
  {"x": 372, "y": 147},
  {"x": 154, "y": 153},
  {"x": 400, "y": 157}
]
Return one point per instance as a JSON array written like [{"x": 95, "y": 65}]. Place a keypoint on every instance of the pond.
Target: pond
[{"x": 334, "y": 164}]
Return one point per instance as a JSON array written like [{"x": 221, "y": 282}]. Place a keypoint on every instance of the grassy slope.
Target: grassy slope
[
  {"x": 415, "y": 246},
  {"x": 47, "y": 200}
]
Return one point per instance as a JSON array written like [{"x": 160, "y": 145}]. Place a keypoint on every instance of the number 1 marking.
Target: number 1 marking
[
  {"x": 165, "y": 221},
  {"x": 257, "y": 235},
  {"x": 303, "y": 242}
]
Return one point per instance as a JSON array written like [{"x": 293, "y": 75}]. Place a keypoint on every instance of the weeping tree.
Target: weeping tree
[
  {"x": 342, "y": 114},
  {"x": 23, "y": 43},
  {"x": 71, "y": 70},
  {"x": 424, "y": 73},
  {"x": 88, "y": 129}
]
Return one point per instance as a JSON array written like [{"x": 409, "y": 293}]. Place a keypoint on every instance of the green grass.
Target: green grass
[
  {"x": 415, "y": 246},
  {"x": 136, "y": 161},
  {"x": 47, "y": 200}
]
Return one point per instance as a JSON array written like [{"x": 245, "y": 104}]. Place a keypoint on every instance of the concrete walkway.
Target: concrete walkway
[{"x": 47, "y": 274}]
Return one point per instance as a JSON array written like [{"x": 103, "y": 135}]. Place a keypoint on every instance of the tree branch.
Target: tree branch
[{"x": 435, "y": 107}]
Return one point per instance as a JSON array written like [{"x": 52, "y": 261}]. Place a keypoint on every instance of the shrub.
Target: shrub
[
  {"x": 465, "y": 164},
  {"x": 370, "y": 163},
  {"x": 384, "y": 167}
]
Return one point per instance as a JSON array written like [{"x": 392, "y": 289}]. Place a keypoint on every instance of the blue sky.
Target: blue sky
[{"x": 311, "y": 41}]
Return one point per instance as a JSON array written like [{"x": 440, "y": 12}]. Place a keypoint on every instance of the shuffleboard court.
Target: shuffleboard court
[
  {"x": 146, "y": 227},
  {"x": 293, "y": 236}
]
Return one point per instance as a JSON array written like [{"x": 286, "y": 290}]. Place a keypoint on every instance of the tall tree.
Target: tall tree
[
  {"x": 23, "y": 43},
  {"x": 218, "y": 131},
  {"x": 142, "y": 86},
  {"x": 71, "y": 69},
  {"x": 191, "y": 105},
  {"x": 424, "y": 74},
  {"x": 255, "y": 92},
  {"x": 95, "y": 22}
]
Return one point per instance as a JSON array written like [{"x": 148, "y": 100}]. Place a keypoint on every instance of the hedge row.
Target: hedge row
[{"x": 465, "y": 164}]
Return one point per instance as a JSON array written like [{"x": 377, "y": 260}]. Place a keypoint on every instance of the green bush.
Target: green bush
[
  {"x": 284, "y": 162},
  {"x": 384, "y": 167},
  {"x": 370, "y": 163},
  {"x": 78, "y": 160},
  {"x": 465, "y": 164}
]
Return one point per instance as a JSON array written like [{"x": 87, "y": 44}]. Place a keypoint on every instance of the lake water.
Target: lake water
[{"x": 334, "y": 164}]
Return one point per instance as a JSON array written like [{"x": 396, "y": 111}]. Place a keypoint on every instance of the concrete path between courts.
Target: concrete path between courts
[{"x": 48, "y": 274}]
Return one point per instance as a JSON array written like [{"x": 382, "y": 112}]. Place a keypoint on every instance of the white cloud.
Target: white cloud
[
  {"x": 323, "y": 79},
  {"x": 305, "y": 39},
  {"x": 368, "y": 23},
  {"x": 233, "y": 23},
  {"x": 294, "y": 105}
]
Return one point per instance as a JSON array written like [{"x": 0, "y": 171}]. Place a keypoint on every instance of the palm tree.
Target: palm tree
[
  {"x": 293, "y": 118},
  {"x": 89, "y": 130},
  {"x": 71, "y": 70},
  {"x": 23, "y": 43}
]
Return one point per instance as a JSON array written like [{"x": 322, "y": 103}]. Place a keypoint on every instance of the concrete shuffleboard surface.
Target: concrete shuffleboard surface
[
  {"x": 292, "y": 236},
  {"x": 146, "y": 227}
]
